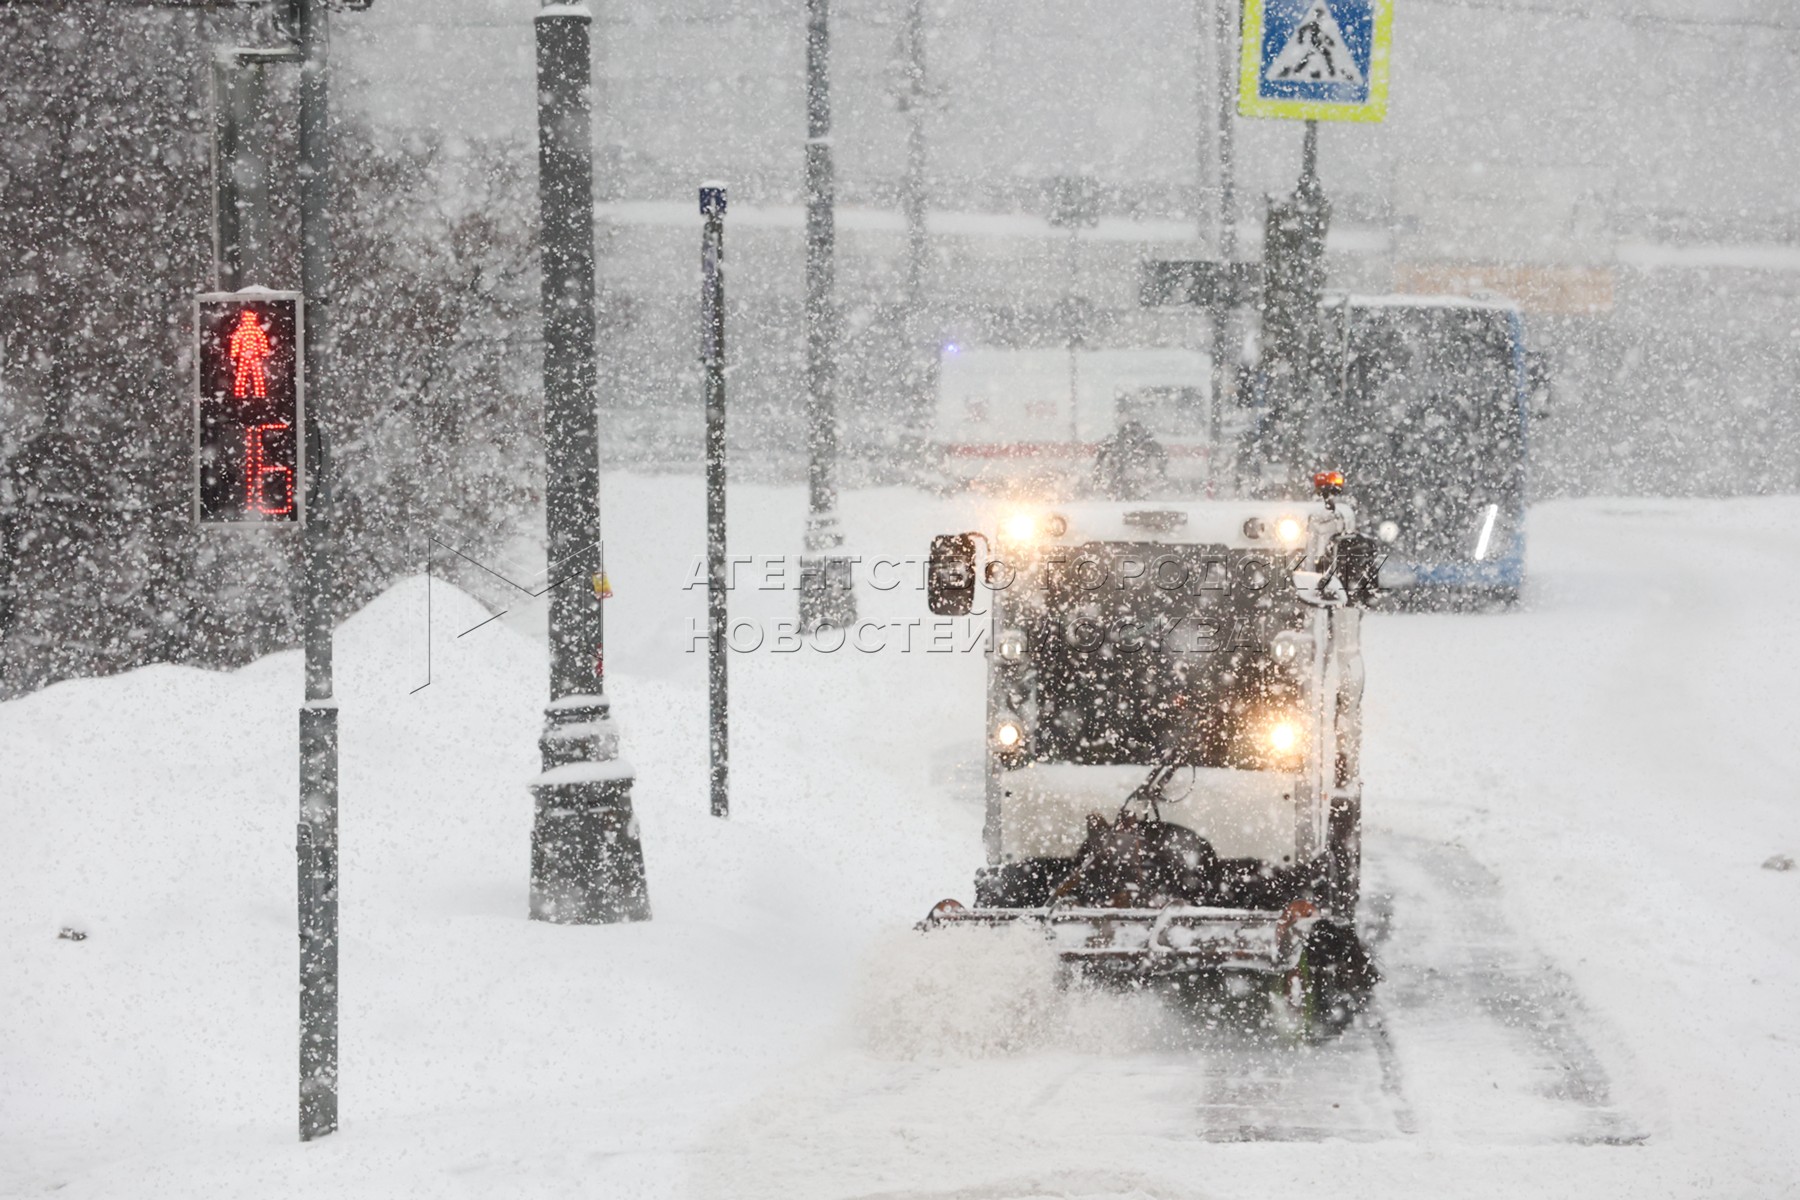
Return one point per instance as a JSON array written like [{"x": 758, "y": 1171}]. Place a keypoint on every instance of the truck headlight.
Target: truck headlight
[
  {"x": 1027, "y": 528},
  {"x": 1008, "y": 735},
  {"x": 1020, "y": 529},
  {"x": 1290, "y": 646},
  {"x": 1289, "y": 531},
  {"x": 1012, "y": 645},
  {"x": 1272, "y": 737}
]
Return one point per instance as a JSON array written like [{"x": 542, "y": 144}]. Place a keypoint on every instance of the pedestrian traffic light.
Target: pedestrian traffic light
[{"x": 249, "y": 409}]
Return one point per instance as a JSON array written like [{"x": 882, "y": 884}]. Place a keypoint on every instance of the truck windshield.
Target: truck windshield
[
  {"x": 1153, "y": 653},
  {"x": 1427, "y": 423}
]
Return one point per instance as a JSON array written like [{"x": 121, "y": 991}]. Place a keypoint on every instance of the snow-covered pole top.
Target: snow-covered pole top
[{"x": 553, "y": 9}]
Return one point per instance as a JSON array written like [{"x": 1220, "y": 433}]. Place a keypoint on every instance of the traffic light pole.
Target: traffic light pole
[
  {"x": 587, "y": 864},
  {"x": 1293, "y": 283},
  {"x": 712, "y": 354},
  {"x": 826, "y": 593},
  {"x": 227, "y": 109},
  {"x": 241, "y": 164},
  {"x": 317, "y": 842}
]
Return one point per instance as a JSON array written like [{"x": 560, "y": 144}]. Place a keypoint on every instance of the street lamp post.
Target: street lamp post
[
  {"x": 826, "y": 595},
  {"x": 1225, "y": 44},
  {"x": 587, "y": 863},
  {"x": 918, "y": 346},
  {"x": 712, "y": 357}
]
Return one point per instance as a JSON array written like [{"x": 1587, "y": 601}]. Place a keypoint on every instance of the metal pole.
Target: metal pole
[
  {"x": 1072, "y": 337},
  {"x": 920, "y": 354},
  {"x": 1309, "y": 161},
  {"x": 1225, "y": 27},
  {"x": 1074, "y": 205},
  {"x": 224, "y": 170},
  {"x": 250, "y": 170},
  {"x": 317, "y": 841},
  {"x": 712, "y": 355},
  {"x": 587, "y": 864},
  {"x": 241, "y": 162},
  {"x": 1294, "y": 278},
  {"x": 825, "y": 587},
  {"x": 1310, "y": 196}
]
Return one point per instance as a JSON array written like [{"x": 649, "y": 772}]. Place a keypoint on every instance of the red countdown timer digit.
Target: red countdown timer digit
[{"x": 249, "y": 409}]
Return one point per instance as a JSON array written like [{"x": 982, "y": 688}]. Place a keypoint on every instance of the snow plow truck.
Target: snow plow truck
[{"x": 1173, "y": 729}]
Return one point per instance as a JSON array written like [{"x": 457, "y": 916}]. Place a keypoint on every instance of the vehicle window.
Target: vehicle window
[{"x": 1427, "y": 420}]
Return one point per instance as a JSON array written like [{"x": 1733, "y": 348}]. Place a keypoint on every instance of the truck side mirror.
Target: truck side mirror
[{"x": 950, "y": 582}]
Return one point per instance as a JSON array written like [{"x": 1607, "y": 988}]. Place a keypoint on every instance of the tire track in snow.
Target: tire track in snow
[
  {"x": 1468, "y": 1001},
  {"x": 1377, "y": 923},
  {"x": 1264, "y": 1085}
]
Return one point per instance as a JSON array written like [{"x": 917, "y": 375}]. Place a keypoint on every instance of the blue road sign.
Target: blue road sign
[{"x": 1315, "y": 60}]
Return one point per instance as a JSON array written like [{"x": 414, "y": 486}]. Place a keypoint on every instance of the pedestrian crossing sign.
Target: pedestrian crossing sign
[{"x": 1315, "y": 60}]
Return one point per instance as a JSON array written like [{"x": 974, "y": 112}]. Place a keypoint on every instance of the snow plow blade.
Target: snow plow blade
[{"x": 1173, "y": 940}]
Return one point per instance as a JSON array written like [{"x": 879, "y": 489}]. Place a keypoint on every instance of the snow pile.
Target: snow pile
[
  {"x": 986, "y": 993},
  {"x": 155, "y": 812}
]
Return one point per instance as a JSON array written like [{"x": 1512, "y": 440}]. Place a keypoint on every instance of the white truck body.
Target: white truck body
[{"x": 1039, "y": 809}]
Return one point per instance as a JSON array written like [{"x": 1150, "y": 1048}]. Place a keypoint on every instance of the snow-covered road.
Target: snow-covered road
[{"x": 1590, "y": 981}]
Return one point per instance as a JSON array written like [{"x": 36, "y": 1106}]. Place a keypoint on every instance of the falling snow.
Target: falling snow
[{"x": 1544, "y": 318}]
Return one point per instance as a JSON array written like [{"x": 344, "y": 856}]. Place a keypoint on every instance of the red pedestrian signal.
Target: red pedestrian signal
[
  {"x": 249, "y": 347},
  {"x": 249, "y": 409}
]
